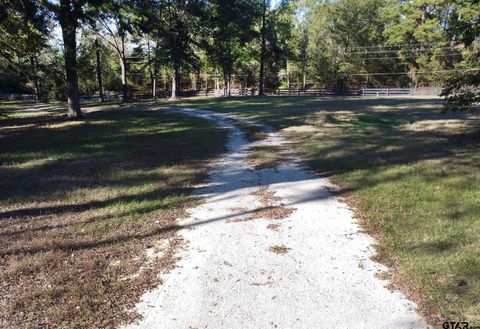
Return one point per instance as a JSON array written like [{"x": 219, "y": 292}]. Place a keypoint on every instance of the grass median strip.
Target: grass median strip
[
  {"x": 265, "y": 156},
  {"x": 252, "y": 131},
  {"x": 88, "y": 211}
]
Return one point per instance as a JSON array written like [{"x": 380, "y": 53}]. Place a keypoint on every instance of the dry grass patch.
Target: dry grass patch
[
  {"x": 271, "y": 212},
  {"x": 270, "y": 208},
  {"x": 265, "y": 196},
  {"x": 86, "y": 210},
  {"x": 237, "y": 209},
  {"x": 278, "y": 249},
  {"x": 273, "y": 226}
]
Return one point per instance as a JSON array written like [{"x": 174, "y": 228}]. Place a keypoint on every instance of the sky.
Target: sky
[{"x": 273, "y": 3}]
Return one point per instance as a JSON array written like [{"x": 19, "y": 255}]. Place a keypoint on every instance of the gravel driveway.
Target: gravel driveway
[{"x": 272, "y": 248}]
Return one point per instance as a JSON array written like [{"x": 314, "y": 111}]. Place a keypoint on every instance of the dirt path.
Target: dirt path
[{"x": 272, "y": 248}]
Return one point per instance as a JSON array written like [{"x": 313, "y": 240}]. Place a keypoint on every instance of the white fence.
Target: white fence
[
  {"x": 387, "y": 91},
  {"x": 401, "y": 91}
]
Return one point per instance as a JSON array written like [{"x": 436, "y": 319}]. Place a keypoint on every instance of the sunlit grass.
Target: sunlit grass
[
  {"x": 265, "y": 156},
  {"x": 412, "y": 175}
]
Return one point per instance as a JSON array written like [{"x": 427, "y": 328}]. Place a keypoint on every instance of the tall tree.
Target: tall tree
[
  {"x": 338, "y": 37},
  {"x": 263, "y": 46},
  {"x": 415, "y": 30},
  {"x": 116, "y": 21},
  {"x": 70, "y": 13},
  {"x": 23, "y": 34},
  {"x": 98, "y": 62},
  {"x": 173, "y": 26},
  {"x": 279, "y": 41},
  {"x": 276, "y": 25},
  {"x": 463, "y": 30},
  {"x": 439, "y": 42},
  {"x": 231, "y": 24},
  {"x": 98, "y": 65}
]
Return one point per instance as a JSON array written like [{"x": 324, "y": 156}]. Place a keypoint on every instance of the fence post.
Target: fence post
[
  {"x": 363, "y": 91},
  {"x": 388, "y": 91}
]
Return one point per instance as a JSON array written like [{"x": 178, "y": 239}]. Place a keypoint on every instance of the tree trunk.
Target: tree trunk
[
  {"x": 164, "y": 80},
  {"x": 227, "y": 90},
  {"x": 69, "y": 30},
  {"x": 154, "y": 87},
  {"x": 99, "y": 70},
  {"x": 206, "y": 84},
  {"x": 288, "y": 75},
  {"x": 304, "y": 69},
  {"x": 174, "y": 95},
  {"x": 225, "y": 85},
  {"x": 194, "y": 82},
  {"x": 217, "y": 84},
  {"x": 123, "y": 66},
  {"x": 153, "y": 72},
  {"x": 124, "y": 80},
  {"x": 305, "y": 56},
  {"x": 261, "y": 91},
  {"x": 33, "y": 63}
]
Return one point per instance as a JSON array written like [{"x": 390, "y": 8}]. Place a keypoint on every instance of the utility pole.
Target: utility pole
[
  {"x": 261, "y": 91},
  {"x": 288, "y": 75},
  {"x": 99, "y": 69}
]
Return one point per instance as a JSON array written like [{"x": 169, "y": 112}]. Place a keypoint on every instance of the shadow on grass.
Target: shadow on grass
[
  {"x": 357, "y": 133},
  {"x": 116, "y": 174},
  {"x": 412, "y": 174},
  {"x": 77, "y": 195}
]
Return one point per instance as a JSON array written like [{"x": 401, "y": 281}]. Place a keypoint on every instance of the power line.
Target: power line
[
  {"x": 404, "y": 57},
  {"x": 395, "y": 51},
  {"x": 406, "y": 73},
  {"x": 399, "y": 45}
]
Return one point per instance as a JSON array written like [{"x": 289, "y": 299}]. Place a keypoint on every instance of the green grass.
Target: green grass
[
  {"x": 265, "y": 156},
  {"x": 251, "y": 131},
  {"x": 413, "y": 176},
  {"x": 80, "y": 201}
]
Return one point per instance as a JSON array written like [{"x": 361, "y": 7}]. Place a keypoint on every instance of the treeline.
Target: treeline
[
  {"x": 396, "y": 43},
  {"x": 165, "y": 46}
]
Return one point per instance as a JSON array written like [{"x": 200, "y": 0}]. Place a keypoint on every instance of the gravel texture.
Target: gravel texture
[{"x": 312, "y": 271}]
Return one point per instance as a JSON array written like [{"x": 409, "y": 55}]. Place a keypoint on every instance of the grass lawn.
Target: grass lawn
[
  {"x": 88, "y": 210},
  {"x": 265, "y": 156},
  {"x": 412, "y": 175},
  {"x": 252, "y": 132},
  {"x": 28, "y": 109}
]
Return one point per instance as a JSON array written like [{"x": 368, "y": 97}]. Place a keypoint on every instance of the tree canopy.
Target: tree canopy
[{"x": 170, "y": 47}]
